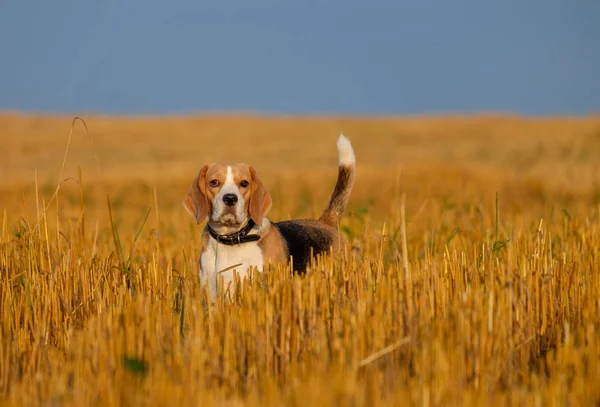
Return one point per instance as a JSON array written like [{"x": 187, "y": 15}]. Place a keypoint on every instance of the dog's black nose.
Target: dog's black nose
[{"x": 230, "y": 199}]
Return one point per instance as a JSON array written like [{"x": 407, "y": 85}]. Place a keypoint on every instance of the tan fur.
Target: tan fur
[
  {"x": 196, "y": 201},
  {"x": 260, "y": 200},
  {"x": 273, "y": 247},
  {"x": 205, "y": 237}
]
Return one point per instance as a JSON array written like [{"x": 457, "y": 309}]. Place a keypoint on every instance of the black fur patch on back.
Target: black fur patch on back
[{"x": 301, "y": 236}]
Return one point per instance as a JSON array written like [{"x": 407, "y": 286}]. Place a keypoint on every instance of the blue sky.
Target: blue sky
[{"x": 533, "y": 57}]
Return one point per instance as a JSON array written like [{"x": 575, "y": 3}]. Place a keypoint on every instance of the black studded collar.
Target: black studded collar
[{"x": 239, "y": 237}]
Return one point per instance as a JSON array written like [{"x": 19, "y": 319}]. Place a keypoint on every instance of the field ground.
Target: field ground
[{"x": 478, "y": 281}]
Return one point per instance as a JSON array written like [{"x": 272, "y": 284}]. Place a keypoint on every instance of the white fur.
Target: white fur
[
  {"x": 220, "y": 209},
  {"x": 345, "y": 151},
  {"x": 217, "y": 257}
]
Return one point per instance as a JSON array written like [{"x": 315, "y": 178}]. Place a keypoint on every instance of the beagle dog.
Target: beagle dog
[{"x": 238, "y": 235}]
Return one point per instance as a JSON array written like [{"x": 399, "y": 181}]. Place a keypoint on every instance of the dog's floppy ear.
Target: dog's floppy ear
[
  {"x": 260, "y": 200},
  {"x": 196, "y": 202}
]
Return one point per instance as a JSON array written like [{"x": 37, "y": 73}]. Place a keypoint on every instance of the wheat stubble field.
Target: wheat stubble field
[{"x": 478, "y": 281}]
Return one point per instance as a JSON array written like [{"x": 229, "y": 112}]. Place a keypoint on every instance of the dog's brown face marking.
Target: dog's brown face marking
[
  {"x": 229, "y": 194},
  {"x": 233, "y": 178}
]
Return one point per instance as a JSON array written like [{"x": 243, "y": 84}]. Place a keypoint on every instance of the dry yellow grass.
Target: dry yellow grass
[{"x": 453, "y": 301}]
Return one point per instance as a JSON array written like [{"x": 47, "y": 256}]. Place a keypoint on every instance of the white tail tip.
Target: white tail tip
[{"x": 345, "y": 151}]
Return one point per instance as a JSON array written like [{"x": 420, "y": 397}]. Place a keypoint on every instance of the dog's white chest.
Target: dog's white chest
[{"x": 218, "y": 257}]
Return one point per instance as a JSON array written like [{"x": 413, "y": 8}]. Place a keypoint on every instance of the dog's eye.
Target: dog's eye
[
  {"x": 214, "y": 183},
  {"x": 244, "y": 184}
]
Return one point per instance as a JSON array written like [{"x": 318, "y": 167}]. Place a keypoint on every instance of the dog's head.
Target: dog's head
[{"x": 229, "y": 194}]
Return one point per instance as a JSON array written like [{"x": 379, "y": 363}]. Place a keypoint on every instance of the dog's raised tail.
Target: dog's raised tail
[{"x": 345, "y": 180}]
